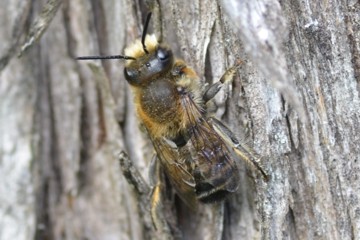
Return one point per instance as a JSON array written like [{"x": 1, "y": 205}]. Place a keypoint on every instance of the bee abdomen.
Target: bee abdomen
[
  {"x": 215, "y": 181},
  {"x": 207, "y": 193}
]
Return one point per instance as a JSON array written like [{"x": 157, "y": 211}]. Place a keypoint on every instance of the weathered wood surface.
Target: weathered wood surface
[{"x": 295, "y": 99}]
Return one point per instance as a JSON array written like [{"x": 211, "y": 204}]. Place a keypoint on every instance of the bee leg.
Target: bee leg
[
  {"x": 156, "y": 196},
  {"x": 157, "y": 199},
  {"x": 212, "y": 91},
  {"x": 142, "y": 192},
  {"x": 226, "y": 77},
  {"x": 244, "y": 152}
]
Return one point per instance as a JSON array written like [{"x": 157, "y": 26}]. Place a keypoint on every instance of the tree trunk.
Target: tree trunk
[{"x": 63, "y": 123}]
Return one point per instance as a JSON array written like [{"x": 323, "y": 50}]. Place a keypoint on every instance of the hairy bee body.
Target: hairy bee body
[
  {"x": 159, "y": 105},
  {"x": 197, "y": 152},
  {"x": 169, "y": 101},
  {"x": 157, "y": 96}
]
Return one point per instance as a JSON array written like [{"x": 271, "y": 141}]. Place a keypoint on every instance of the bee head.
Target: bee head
[
  {"x": 146, "y": 58},
  {"x": 149, "y": 60}
]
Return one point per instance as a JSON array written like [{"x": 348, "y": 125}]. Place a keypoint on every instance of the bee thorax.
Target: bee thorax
[{"x": 159, "y": 101}]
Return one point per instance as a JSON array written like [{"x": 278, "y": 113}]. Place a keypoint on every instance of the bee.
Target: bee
[{"x": 197, "y": 152}]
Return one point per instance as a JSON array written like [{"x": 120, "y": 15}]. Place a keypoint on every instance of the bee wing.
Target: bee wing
[
  {"x": 215, "y": 169},
  {"x": 216, "y": 172},
  {"x": 176, "y": 163},
  {"x": 243, "y": 151}
]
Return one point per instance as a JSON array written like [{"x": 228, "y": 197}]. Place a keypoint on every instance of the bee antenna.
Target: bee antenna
[
  {"x": 105, "y": 57},
  {"x": 144, "y": 32}
]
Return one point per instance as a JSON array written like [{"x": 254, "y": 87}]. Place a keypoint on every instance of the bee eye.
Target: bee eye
[
  {"x": 131, "y": 74},
  {"x": 162, "y": 54}
]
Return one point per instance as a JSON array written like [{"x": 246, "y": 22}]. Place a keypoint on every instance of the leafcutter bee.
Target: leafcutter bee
[{"x": 197, "y": 152}]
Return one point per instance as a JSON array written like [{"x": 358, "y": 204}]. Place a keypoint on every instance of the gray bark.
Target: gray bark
[{"x": 63, "y": 123}]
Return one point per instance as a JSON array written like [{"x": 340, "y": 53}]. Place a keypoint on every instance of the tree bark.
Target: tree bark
[{"x": 63, "y": 123}]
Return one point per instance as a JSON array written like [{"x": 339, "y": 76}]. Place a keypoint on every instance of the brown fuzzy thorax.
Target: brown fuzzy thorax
[{"x": 160, "y": 104}]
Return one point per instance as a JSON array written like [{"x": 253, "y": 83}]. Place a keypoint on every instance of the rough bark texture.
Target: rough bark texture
[{"x": 63, "y": 123}]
